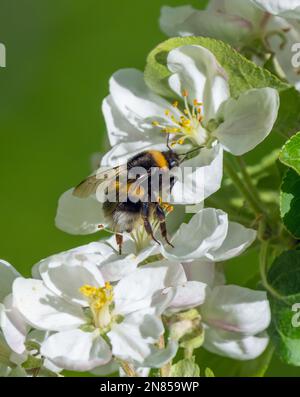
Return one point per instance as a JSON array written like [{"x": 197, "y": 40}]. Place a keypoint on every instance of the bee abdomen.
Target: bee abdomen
[{"x": 124, "y": 217}]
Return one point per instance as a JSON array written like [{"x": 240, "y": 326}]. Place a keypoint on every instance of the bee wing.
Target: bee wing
[{"x": 90, "y": 185}]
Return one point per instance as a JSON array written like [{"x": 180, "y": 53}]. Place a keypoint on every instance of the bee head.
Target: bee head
[{"x": 172, "y": 158}]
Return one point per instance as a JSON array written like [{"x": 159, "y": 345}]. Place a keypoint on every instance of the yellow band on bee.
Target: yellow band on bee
[{"x": 159, "y": 158}]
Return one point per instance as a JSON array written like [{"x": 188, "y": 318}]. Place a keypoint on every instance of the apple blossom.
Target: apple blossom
[
  {"x": 93, "y": 320},
  {"x": 102, "y": 254},
  {"x": 282, "y": 8},
  {"x": 13, "y": 326},
  {"x": 208, "y": 236},
  {"x": 18, "y": 343},
  {"x": 235, "y": 321},
  {"x": 208, "y": 113},
  {"x": 242, "y": 24}
]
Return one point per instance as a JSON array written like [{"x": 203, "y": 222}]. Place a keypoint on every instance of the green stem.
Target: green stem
[
  {"x": 247, "y": 178},
  {"x": 188, "y": 352},
  {"x": 252, "y": 201},
  {"x": 263, "y": 267}
]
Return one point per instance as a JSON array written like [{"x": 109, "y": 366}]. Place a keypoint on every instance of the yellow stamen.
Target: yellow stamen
[
  {"x": 186, "y": 126},
  {"x": 186, "y": 123},
  {"x": 168, "y": 208},
  {"x": 98, "y": 297},
  {"x": 197, "y": 103}
]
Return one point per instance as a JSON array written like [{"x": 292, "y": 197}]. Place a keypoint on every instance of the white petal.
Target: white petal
[
  {"x": 118, "y": 127},
  {"x": 137, "y": 103},
  {"x": 13, "y": 326},
  {"x": 244, "y": 9},
  {"x": 106, "y": 369},
  {"x": 206, "y": 231},
  {"x": 174, "y": 21},
  {"x": 102, "y": 254},
  {"x": 199, "y": 177},
  {"x": 131, "y": 340},
  {"x": 65, "y": 274},
  {"x": 7, "y": 276},
  {"x": 236, "y": 309},
  {"x": 206, "y": 272},
  {"x": 42, "y": 308},
  {"x": 283, "y": 8},
  {"x": 117, "y": 266},
  {"x": 248, "y": 120},
  {"x": 201, "y": 270},
  {"x": 95, "y": 253},
  {"x": 116, "y": 269},
  {"x": 291, "y": 31},
  {"x": 235, "y": 346},
  {"x": 76, "y": 350},
  {"x": 160, "y": 357},
  {"x": 136, "y": 291},
  {"x": 238, "y": 239},
  {"x": 188, "y": 295},
  {"x": 196, "y": 69},
  {"x": 79, "y": 216},
  {"x": 52, "y": 367},
  {"x": 18, "y": 359},
  {"x": 187, "y": 21}
]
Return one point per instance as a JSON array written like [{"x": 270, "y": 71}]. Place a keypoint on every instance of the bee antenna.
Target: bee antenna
[
  {"x": 191, "y": 151},
  {"x": 168, "y": 143},
  {"x": 187, "y": 153}
]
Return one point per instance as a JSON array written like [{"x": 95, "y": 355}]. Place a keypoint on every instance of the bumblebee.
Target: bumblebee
[{"x": 139, "y": 208}]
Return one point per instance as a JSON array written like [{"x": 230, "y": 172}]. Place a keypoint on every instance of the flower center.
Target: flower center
[
  {"x": 100, "y": 302},
  {"x": 188, "y": 125}
]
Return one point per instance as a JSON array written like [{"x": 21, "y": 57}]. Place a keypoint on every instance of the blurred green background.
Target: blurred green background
[{"x": 60, "y": 55}]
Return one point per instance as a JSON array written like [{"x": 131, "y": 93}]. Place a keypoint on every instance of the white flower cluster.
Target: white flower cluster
[
  {"x": 93, "y": 309},
  {"x": 260, "y": 26}
]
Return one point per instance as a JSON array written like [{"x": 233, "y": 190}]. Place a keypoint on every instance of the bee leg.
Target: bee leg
[
  {"x": 119, "y": 240},
  {"x": 162, "y": 223},
  {"x": 147, "y": 224}
]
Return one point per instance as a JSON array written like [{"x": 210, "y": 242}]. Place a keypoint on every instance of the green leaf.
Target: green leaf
[
  {"x": 290, "y": 153},
  {"x": 185, "y": 368},
  {"x": 243, "y": 74},
  {"x": 284, "y": 277},
  {"x": 290, "y": 202},
  {"x": 223, "y": 366}
]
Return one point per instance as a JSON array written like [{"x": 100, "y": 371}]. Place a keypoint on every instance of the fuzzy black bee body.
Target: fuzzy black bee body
[{"x": 139, "y": 208}]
